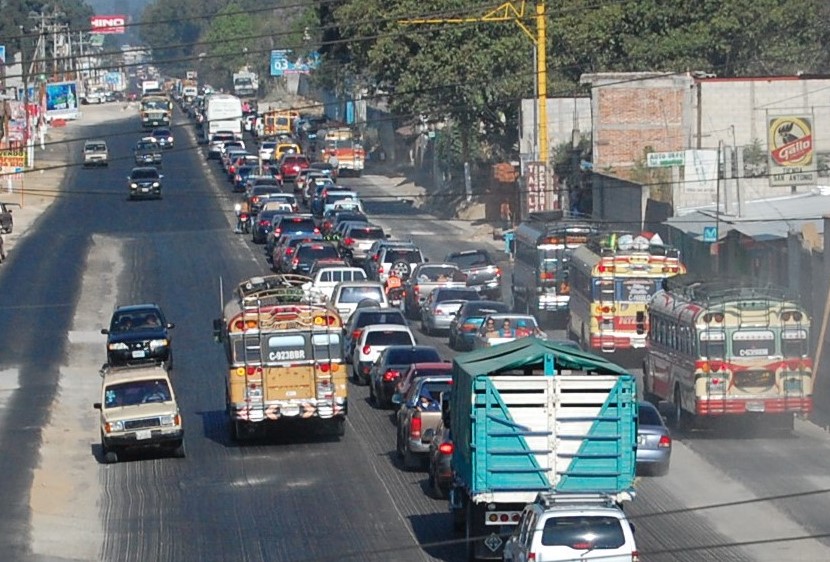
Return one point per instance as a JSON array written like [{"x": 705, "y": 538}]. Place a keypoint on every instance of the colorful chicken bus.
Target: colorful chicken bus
[
  {"x": 284, "y": 357},
  {"x": 718, "y": 348},
  {"x": 612, "y": 277},
  {"x": 543, "y": 248}
]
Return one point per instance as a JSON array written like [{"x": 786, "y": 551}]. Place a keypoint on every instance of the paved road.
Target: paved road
[{"x": 292, "y": 497}]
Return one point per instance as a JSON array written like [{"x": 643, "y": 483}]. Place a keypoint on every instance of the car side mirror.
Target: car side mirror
[
  {"x": 397, "y": 398},
  {"x": 170, "y": 325},
  {"x": 389, "y": 236},
  {"x": 161, "y": 176},
  {"x": 105, "y": 331},
  {"x": 96, "y": 406},
  {"x": 426, "y": 260},
  {"x": 428, "y": 435}
]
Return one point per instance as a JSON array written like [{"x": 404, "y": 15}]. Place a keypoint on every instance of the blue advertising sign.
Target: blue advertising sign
[
  {"x": 279, "y": 62},
  {"x": 710, "y": 233},
  {"x": 62, "y": 99}
]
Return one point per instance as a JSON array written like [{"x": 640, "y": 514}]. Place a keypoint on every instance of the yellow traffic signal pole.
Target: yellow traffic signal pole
[{"x": 509, "y": 12}]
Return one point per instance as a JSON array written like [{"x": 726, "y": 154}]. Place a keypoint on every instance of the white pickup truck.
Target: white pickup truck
[{"x": 325, "y": 279}]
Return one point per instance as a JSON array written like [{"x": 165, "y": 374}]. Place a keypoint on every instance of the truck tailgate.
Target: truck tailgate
[{"x": 568, "y": 433}]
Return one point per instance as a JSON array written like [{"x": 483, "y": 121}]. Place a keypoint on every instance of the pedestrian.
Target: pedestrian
[
  {"x": 2, "y": 250},
  {"x": 506, "y": 215}
]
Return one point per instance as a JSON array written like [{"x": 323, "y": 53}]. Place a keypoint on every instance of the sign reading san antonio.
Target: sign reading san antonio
[{"x": 791, "y": 151}]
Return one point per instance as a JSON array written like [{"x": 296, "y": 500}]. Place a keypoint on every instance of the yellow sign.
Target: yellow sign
[{"x": 13, "y": 158}]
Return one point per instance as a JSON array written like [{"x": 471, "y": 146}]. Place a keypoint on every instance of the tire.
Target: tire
[
  {"x": 401, "y": 268},
  {"x": 660, "y": 469},
  {"x": 236, "y": 430},
  {"x": 338, "y": 427},
  {"x": 179, "y": 451},
  {"x": 110, "y": 457},
  {"x": 451, "y": 341}
]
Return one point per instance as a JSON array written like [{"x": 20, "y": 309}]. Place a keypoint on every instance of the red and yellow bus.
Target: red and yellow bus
[
  {"x": 284, "y": 357},
  {"x": 612, "y": 278},
  {"x": 718, "y": 348}
]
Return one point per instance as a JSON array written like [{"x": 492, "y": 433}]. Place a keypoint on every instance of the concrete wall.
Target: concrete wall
[
  {"x": 563, "y": 115},
  {"x": 618, "y": 203}
]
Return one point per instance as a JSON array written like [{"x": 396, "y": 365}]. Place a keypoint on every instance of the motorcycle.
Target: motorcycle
[
  {"x": 396, "y": 296},
  {"x": 243, "y": 220}
]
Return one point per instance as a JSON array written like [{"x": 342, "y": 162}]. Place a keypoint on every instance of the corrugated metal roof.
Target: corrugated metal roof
[{"x": 769, "y": 219}]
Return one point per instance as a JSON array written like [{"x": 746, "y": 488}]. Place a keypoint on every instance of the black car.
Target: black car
[
  {"x": 309, "y": 252},
  {"x": 6, "y": 220},
  {"x": 138, "y": 334},
  {"x": 393, "y": 362},
  {"x": 164, "y": 136},
  {"x": 147, "y": 152},
  {"x": 263, "y": 224},
  {"x": 144, "y": 182},
  {"x": 440, "y": 457}
]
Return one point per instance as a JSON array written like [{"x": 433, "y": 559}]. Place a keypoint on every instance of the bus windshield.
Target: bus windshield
[{"x": 553, "y": 260}]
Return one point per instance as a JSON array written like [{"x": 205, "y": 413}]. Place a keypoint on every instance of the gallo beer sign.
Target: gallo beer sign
[
  {"x": 792, "y": 159},
  {"x": 108, "y": 24}
]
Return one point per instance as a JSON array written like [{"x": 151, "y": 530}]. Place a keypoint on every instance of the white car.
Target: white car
[
  {"x": 346, "y": 296},
  {"x": 373, "y": 339},
  {"x": 564, "y": 529},
  {"x": 325, "y": 279}
]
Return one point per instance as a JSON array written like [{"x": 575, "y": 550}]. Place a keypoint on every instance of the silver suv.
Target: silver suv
[
  {"x": 571, "y": 527},
  {"x": 96, "y": 153},
  {"x": 398, "y": 257}
]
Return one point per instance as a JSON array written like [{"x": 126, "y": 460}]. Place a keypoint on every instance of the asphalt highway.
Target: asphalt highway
[{"x": 292, "y": 496}]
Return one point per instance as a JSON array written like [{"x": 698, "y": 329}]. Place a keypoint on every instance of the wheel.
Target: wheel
[
  {"x": 179, "y": 451},
  {"x": 236, "y": 430},
  {"x": 452, "y": 343},
  {"x": 338, "y": 427},
  {"x": 110, "y": 457},
  {"x": 401, "y": 269},
  {"x": 680, "y": 420}
]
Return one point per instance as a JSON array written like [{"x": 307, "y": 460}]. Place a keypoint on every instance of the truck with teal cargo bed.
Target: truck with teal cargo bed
[{"x": 534, "y": 416}]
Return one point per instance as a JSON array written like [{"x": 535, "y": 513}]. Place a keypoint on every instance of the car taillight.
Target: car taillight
[
  {"x": 380, "y": 269},
  {"x": 446, "y": 448},
  {"x": 277, "y": 232},
  {"x": 348, "y": 241},
  {"x": 295, "y": 263},
  {"x": 415, "y": 426},
  {"x": 356, "y": 334},
  {"x": 254, "y": 199},
  {"x": 367, "y": 349},
  {"x": 391, "y": 375},
  {"x": 635, "y": 556},
  {"x": 289, "y": 251},
  {"x": 263, "y": 223},
  {"x": 232, "y": 169},
  {"x": 665, "y": 442}
]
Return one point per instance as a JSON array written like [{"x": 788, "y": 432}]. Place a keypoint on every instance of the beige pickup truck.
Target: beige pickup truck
[
  {"x": 427, "y": 277},
  {"x": 419, "y": 410}
]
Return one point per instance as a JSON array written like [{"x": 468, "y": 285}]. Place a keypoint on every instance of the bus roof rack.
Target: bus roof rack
[{"x": 712, "y": 290}]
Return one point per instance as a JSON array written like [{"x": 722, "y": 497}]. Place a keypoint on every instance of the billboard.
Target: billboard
[
  {"x": 791, "y": 150},
  {"x": 62, "y": 100},
  {"x": 108, "y": 24},
  {"x": 536, "y": 187}
]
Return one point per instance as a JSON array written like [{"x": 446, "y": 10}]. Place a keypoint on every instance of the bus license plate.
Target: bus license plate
[
  {"x": 755, "y": 406},
  {"x": 143, "y": 434}
]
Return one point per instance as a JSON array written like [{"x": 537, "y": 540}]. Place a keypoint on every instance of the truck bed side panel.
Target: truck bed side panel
[{"x": 571, "y": 433}]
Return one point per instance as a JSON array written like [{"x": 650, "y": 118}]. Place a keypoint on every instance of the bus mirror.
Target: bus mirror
[{"x": 217, "y": 330}]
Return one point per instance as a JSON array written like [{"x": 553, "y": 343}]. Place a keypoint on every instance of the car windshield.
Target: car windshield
[
  {"x": 297, "y": 225},
  {"x": 409, "y": 356},
  {"x": 406, "y": 255},
  {"x": 467, "y": 261},
  {"x": 474, "y": 308},
  {"x": 144, "y": 175},
  {"x": 353, "y": 295},
  {"x": 389, "y": 338},
  {"x": 161, "y": 133},
  {"x": 453, "y": 294},
  {"x": 366, "y": 233},
  {"x": 309, "y": 254},
  {"x": 583, "y": 532},
  {"x": 135, "y": 321},
  {"x": 649, "y": 415},
  {"x": 136, "y": 392},
  {"x": 146, "y": 145},
  {"x": 98, "y": 147},
  {"x": 439, "y": 273},
  {"x": 369, "y": 318}
]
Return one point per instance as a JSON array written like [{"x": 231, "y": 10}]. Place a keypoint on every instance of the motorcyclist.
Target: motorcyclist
[
  {"x": 393, "y": 283},
  {"x": 243, "y": 214}
]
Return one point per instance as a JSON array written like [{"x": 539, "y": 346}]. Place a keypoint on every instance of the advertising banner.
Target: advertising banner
[
  {"x": 108, "y": 24},
  {"x": 62, "y": 100},
  {"x": 537, "y": 187},
  {"x": 791, "y": 150},
  {"x": 13, "y": 159}
]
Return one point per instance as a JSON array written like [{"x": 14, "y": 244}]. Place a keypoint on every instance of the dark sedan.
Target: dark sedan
[
  {"x": 144, "y": 182},
  {"x": 653, "y": 441},
  {"x": 393, "y": 362},
  {"x": 440, "y": 460},
  {"x": 138, "y": 334},
  {"x": 263, "y": 224},
  {"x": 164, "y": 137},
  {"x": 308, "y": 253}
]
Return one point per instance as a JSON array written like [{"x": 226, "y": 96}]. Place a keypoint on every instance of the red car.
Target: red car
[{"x": 291, "y": 164}]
